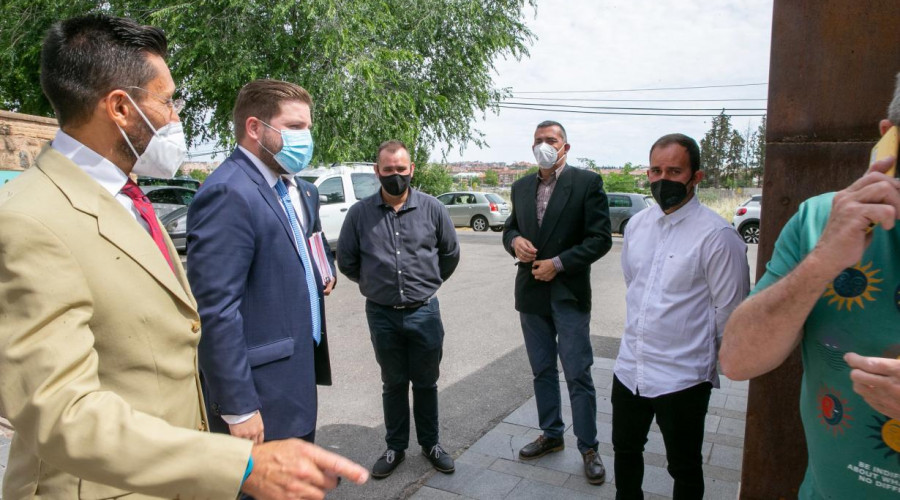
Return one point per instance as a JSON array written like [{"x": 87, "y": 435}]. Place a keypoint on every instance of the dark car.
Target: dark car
[
  {"x": 624, "y": 206},
  {"x": 168, "y": 198},
  {"x": 175, "y": 223},
  {"x": 183, "y": 181}
]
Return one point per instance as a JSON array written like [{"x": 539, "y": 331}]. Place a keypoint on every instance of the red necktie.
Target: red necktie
[{"x": 145, "y": 208}]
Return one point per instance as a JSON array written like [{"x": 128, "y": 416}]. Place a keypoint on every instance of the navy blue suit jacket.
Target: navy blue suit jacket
[{"x": 256, "y": 350}]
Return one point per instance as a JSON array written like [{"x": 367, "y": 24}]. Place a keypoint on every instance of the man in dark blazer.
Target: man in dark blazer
[
  {"x": 264, "y": 346},
  {"x": 558, "y": 227}
]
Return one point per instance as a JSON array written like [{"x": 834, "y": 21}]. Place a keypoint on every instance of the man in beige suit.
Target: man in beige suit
[{"x": 98, "y": 329}]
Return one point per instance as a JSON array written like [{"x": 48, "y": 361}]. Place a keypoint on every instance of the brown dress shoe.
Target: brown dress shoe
[
  {"x": 593, "y": 468},
  {"x": 540, "y": 447}
]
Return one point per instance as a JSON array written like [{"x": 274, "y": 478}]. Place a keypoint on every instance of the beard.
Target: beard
[
  {"x": 139, "y": 141},
  {"x": 265, "y": 153}
]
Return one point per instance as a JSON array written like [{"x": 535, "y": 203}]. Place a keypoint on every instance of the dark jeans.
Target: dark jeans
[
  {"x": 408, "y": 347},
  {"x": 681, "y": 417},
  {"x": 566, "y": 333}
]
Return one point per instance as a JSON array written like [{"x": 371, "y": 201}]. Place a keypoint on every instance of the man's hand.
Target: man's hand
[
  {"x": 292, "y": 469},
  {"x": 873, "y": 198},
  {"x": 329, "y": 286},
  {"x": 543, "y": 270},
  {"x": 251, "y": 429},
  {"x": 525, "y": 251},
  {"x": 877, "y": 380}
]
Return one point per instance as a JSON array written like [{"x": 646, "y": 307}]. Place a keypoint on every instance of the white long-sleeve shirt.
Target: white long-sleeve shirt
[{"x": 685, "y": 273}]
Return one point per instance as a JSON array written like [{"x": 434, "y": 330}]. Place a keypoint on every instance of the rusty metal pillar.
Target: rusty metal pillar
[{"x": 831, "y": 77}]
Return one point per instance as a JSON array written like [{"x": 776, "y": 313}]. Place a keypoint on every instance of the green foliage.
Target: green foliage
[
  {"x": 432, "y": 178},
  {"x": 491, "y": 178},
  {"x": 200, "y": 175},
  {"x": 532, "y": 170},
  {"x": 401, "y": 69},
  {"x": 730, "y": 159}
]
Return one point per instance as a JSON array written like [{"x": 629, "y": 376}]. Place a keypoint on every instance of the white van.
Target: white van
[{"x": 339, "y": 188}]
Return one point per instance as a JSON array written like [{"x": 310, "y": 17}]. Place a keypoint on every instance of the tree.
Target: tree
[
  {"x": 624, "y": 182},
  {"x": 734, "y": 160},
  {"x": 432, "y": 179},
  {"x": 200, "y": 175},
  {"x": 714, "y": 150},
  {"x": 759, "y": 153},
  {"x": 403, "y": 69},
  {"x": 491, "y": 178}
]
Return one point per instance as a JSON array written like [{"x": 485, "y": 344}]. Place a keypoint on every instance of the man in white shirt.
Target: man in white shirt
[{"x": 686, "y": 270}]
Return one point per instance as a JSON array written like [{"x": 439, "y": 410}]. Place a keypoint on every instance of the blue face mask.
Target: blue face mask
[{"x": 296, "y": 150}]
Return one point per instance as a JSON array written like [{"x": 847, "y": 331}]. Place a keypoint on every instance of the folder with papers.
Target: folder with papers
[{"x": 317, "y": 249}]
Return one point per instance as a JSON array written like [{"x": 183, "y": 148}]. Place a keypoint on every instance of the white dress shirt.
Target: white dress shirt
[
  {"x": 272, "y": 179},
  {"x": 103, "y": 171},
  {"x": 685, "y": 272}
]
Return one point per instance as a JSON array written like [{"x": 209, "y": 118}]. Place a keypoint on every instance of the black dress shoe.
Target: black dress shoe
[
  {"x": 540, "y": 447},
  {"x": 593, "y": 468},
  {"x": 440, "y": 459},
  {"x": 387, "y": 463}
]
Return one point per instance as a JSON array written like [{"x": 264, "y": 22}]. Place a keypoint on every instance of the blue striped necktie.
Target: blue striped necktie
[{"x": 304, "y": 257}]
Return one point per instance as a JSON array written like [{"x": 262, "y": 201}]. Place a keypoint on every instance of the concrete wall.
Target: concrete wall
[{"x": 22, "y": 137}]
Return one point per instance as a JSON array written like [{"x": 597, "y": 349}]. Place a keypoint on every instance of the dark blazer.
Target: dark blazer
[
  {"x": 575, "y": 228},
  {"x": 256, "y": 350}
]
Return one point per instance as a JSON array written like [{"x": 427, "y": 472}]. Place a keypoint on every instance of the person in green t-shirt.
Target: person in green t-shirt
[{"x": 833, "y": 288}]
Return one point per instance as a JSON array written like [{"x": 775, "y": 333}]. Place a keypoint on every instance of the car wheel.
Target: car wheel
[
  {"x": 750, "y": 232},
  {"x": 622, "y": 227},
  {"x": 497, "y": 229},
  {"x": 479, "y": 223}
]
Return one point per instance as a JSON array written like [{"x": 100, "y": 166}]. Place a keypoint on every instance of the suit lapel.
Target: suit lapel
[
  {"x": 114, "y": 223},
  {"x": 309, "y": 205},
  {"x": 556, "y": 204},
  {"x": 267, "y": 192}
]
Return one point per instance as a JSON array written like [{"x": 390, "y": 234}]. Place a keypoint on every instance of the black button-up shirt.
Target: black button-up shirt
[{"x": 398, "y": 258}]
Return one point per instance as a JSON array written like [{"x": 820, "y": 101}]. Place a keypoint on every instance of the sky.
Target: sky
[{"x": 620, "y": 45}]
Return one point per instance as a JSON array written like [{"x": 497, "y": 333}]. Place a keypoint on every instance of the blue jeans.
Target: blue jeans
[
  {"x": 565, "y": 333},
  {"x": 408, "y": 347}
]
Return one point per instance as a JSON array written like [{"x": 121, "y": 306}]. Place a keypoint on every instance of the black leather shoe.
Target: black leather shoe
[
  {"x": 540, "y": 447},
  {"x": 593, "y": 467},
  {"x": 387, "y": 463},
  {"x": 440, "y": 459}
]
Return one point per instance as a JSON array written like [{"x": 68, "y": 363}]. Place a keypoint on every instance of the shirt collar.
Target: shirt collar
[
  {"x": 104, "y": 172},
  {"x": 270, "y": 177},
  {"x": 682, "y": 213},
  {"x": 412, "y": 201}
]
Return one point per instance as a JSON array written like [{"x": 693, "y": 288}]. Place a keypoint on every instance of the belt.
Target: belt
[{"x": 414, "y": 305}]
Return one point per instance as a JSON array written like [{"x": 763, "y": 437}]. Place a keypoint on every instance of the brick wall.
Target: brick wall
[{"x": 22, "y": 137}]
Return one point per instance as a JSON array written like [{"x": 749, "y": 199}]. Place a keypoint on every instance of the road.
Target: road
[{"x": 484, "y": 373}]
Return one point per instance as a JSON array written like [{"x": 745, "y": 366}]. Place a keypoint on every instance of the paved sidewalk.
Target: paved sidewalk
[{"x": 490, "y": 468}]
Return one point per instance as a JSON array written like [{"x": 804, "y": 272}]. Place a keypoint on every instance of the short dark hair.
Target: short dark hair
[
  {"x": 390, "y": 146},
  {"x": 84, "y": 58},
  {"x": 684, "y": 141},
  {"x": 551, "y": 123},
  {"x": 262, "y": 99}
]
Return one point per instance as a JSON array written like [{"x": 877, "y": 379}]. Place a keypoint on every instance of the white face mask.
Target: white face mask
[
  {"x": 545, "y": 155},
  {"x": 165, "y": 152}
]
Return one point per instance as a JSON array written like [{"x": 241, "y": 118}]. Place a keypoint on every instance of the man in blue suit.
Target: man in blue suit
[{"x": 253, "y": 272}]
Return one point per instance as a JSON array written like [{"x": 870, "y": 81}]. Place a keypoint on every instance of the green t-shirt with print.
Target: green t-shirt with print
[{"x": 854, "y": 450}]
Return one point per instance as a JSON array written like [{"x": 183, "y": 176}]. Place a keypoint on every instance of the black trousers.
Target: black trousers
[
  {"x": 408, "y": 347},
  {"x": 681, "y": 417}
]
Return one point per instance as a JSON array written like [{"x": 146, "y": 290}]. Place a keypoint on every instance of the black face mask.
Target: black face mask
[
  {"x": 395, "y": 184},
  {"x": 668, "y": 193}
]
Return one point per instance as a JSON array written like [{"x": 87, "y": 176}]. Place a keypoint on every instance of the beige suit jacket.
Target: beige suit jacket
[{"x": 98, "y": 352}]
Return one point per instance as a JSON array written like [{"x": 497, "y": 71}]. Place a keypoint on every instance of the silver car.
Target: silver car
[
  {"x": 166, "y": 199},
  {"x": 477, "y": 210},
  {"x": 624, "y": 206},
  {"x": 746, "y": 219}
]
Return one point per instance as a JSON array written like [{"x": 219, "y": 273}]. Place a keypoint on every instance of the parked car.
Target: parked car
[
  {"x": 165, "y": 199},
  {"x": 183, "y": 181},
  {"x": 624, "y": 206},
  {"x": 746, "y": 219},
  {"x": 339, "y": 188},
  {"x": 175, "y": 223},
  {"x": 477, "y": 210}
]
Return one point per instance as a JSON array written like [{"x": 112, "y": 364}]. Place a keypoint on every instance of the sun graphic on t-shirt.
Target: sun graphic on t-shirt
[
  {"x": 887, "y": 434},
  {"x": 852, "y": 286},
  {"x": 834, "y": 413}
]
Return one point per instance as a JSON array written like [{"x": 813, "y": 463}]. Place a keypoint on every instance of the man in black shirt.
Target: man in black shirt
[{"x": 399, "y": 245}]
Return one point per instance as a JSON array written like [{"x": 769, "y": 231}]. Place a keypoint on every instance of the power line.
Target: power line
[
  {"x": 640, "y": 90},
  {"x": 504, "y": 106},
  {"x": 630, "y": 109}
]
